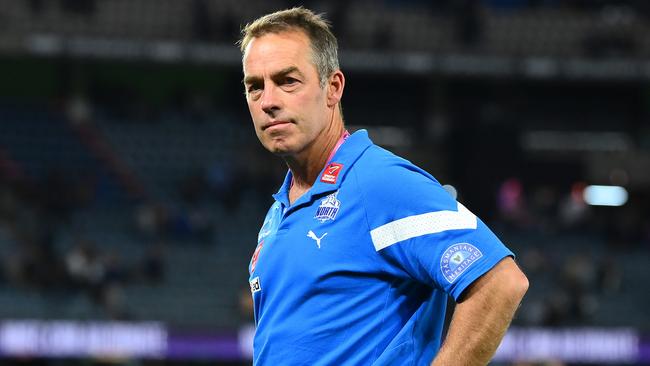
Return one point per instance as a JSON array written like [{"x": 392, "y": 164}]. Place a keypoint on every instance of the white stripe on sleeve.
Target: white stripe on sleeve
[{"x": 423, "y": 224}]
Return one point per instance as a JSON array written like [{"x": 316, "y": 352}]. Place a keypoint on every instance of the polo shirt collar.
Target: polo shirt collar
[{"x": 345, "y": 157}]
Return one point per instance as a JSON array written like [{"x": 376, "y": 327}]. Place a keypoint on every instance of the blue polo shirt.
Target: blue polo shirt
[{"x": 357, "y": 270}]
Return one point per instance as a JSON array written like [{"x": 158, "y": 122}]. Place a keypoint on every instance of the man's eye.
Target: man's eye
[
  {"x": 290, "y": 81},
  {"x": 253, "y": 88}
]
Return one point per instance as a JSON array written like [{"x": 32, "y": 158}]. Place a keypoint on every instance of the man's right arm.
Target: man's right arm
[{"x": 483, "y": 315}]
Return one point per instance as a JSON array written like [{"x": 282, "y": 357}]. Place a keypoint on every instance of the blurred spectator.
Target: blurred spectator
[
  {"x": 102, "y": 276},
  {"x": 610, "y": 274},
  {"x": 190, "y": 220},
  {"x": 543, "y": 207},
  {"x": 573, "y": 211},
  {"x": 115, "y": 277},
  {"x": 580, "y": 273},
  {"x": 557, "y": 308},
  {"x": 534, "y": 260},
  {"x": 57, "y": 195},
  {"x": 114, "y": 302},
  {"x": 225, "y": 181},
  {"x": 193, "y": 188},
  {"x": 151, "y": 220},
  {"x": 533, "y": 312},
  {"x": 115, "y": 272},
  {"x": 152, "y": 264},
  {"x": 78, "y": 109},
  {"x": 85, "y": 268},
  {"x": 511, "y": 203},
  {"x": 580, "y": 278}
]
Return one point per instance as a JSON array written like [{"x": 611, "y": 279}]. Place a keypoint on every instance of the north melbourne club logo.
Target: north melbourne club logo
[
  {"x": 457, "y": 258},
  {"x": 328, "y": 208}
]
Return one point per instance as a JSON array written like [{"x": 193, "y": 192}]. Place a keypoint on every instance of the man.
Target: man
[{"x": 357, "y": 255}]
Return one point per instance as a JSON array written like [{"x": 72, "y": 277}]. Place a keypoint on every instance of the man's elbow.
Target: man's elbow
[
  {"x": 510, "y": 281},
  {"x": 517, "y": 285},
  {"x": 505, "y": 281}
]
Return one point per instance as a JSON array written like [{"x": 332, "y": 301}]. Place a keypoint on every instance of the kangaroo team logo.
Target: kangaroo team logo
[
  {"x": 328, "y": 208},
  {"x": 457, "y": 258}
]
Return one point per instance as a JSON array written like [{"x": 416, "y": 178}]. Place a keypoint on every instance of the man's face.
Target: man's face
[{"x": 287, "y": 104}]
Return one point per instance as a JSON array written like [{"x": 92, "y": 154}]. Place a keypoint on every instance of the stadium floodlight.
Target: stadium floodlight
[{"x": 596, "y": 195}]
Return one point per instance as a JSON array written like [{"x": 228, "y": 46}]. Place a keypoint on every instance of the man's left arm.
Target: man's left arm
[{"x": 482, "y": 315}]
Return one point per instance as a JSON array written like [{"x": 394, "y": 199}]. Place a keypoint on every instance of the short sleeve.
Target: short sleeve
[{"x": 419, "y": 230}]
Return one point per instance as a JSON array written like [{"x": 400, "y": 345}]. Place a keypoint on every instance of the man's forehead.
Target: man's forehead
[
  {"x": 288, "y": 35},
  {"x": 277, "y": 51}
]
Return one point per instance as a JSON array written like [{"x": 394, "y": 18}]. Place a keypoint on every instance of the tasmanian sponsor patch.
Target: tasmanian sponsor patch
[
  {"x": 331, "y": 173},
  {"x": 457, "y": 258}
]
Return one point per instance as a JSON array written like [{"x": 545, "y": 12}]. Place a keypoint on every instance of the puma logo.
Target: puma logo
[{"x": 313, "y": 236}]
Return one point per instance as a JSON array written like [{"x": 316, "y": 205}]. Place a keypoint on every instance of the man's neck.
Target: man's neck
[{"x": 306, "y": 166}]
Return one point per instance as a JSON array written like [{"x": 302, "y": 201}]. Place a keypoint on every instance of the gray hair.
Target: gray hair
[{"x": 323, "y": 42}]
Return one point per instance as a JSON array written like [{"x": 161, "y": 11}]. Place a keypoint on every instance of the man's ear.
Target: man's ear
[{"x": 335, "y": 86}]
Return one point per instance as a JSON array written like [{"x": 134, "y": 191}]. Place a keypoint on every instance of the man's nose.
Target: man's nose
[{"x": 270, "y": 102}]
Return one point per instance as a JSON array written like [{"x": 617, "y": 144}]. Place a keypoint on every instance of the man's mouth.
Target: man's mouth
[{"x": 274, "y": 123}]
